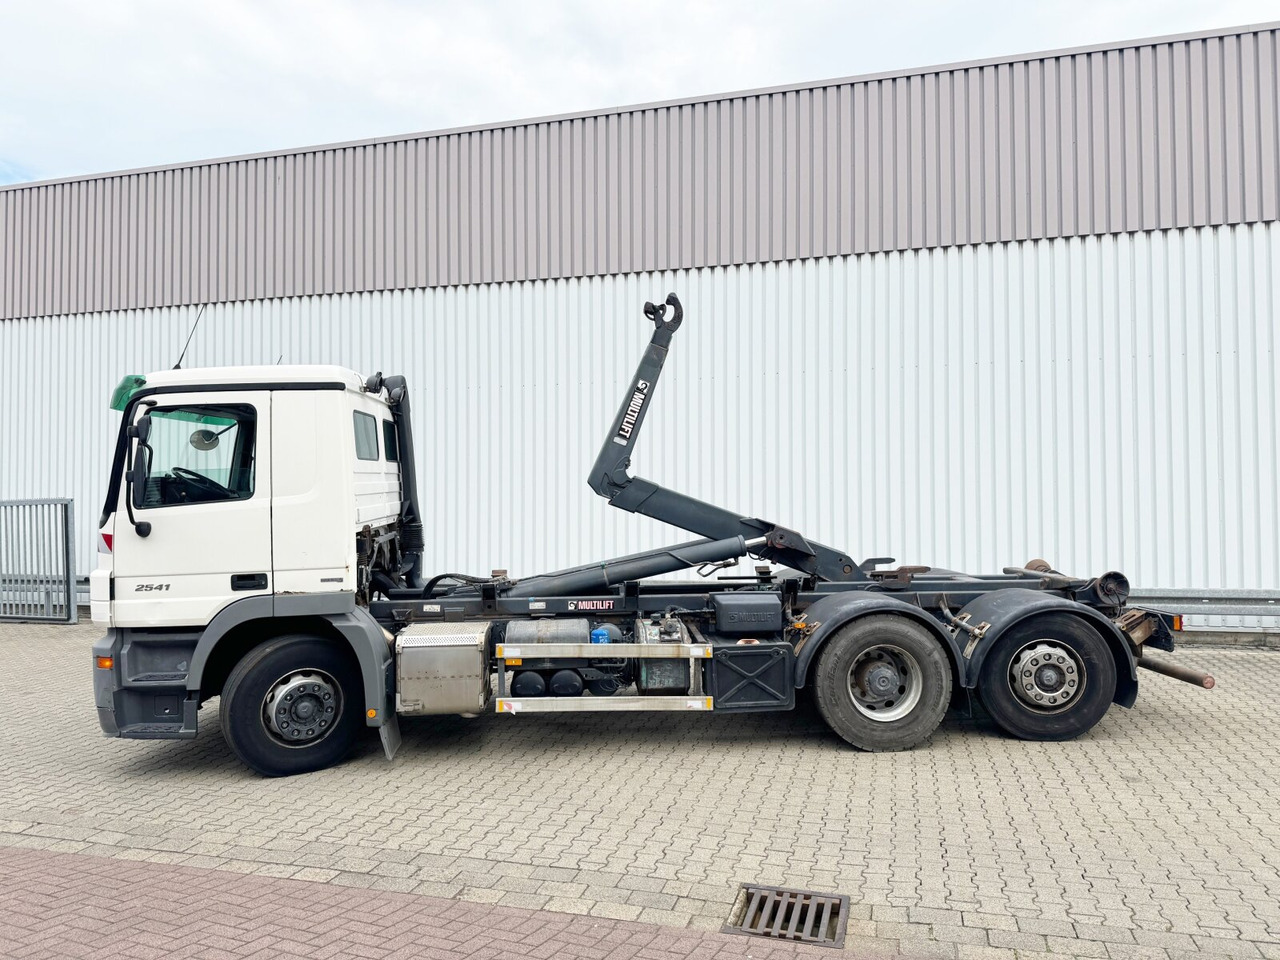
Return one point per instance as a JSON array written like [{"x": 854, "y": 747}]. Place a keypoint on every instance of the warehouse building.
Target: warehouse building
[{"x": 962, "y": 315}]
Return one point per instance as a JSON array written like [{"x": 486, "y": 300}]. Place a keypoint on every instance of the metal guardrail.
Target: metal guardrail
[
  {"x": 1226, "y": 603},
  {"x": 37, "y": 561},
  {"x": 1243, "y": 611}
]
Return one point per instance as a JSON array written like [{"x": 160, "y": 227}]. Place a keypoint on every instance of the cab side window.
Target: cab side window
[
  {"x": 390, "y": 442},
  {"x": 196, "y": 454},
  {"x": 366, "y": 436}
]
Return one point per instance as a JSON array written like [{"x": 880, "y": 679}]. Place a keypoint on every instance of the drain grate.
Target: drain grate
[{"x": 799, "y": 915}]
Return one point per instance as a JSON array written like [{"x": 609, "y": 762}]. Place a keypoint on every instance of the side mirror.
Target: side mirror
[
  {"x": 135, "y": 473},
  {"x": 141, "y": 431}
]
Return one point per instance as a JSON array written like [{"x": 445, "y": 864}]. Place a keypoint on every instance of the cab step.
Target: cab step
[{"x": 157, "y": 731}]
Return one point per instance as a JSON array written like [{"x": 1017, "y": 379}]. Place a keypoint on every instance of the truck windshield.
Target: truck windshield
[{"x": 197, "y": 454}]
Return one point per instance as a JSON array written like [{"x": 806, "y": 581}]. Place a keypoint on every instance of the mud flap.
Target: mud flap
[{"x": 390, "y": 734}]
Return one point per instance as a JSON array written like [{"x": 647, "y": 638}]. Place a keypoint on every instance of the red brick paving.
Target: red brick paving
[{"x": 63, "y": 905}]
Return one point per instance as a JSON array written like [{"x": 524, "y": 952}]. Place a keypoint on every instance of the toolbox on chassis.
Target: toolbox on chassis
[{"x": 262, "y": 542}]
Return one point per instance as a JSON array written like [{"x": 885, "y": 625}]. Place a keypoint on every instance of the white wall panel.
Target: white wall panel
[{"x": 1104, "y": 402}]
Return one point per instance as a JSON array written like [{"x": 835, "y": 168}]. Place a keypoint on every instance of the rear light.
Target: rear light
[
  {"x": 106, "y": 542},
  {"x": 106, "y": 663},
  {"x": 1177, "y": 622}
]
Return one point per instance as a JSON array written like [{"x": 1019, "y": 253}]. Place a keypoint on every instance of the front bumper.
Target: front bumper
[{"x": 147, "y": 707}]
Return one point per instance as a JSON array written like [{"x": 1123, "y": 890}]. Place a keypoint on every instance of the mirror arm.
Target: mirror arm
[{"x": 141, "y": 527}]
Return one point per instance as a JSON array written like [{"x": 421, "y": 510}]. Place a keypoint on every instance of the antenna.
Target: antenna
[
  {"x": 279, "y": 361},
  {"x": 178, "y": 365}
]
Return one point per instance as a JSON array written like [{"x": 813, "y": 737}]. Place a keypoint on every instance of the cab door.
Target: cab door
[{"x": 203, "y": 483}]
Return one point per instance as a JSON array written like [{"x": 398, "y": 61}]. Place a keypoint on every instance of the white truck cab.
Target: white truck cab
[
  {"x": 249, "y": 504},
  {"x": 246, "y": 488}
]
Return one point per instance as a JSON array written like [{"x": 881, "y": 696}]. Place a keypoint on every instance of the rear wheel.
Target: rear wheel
[
  {"x": 883, "y": 683},
  {"x": 1052, "y": 678},
  {"x": 292, "y": 706}
]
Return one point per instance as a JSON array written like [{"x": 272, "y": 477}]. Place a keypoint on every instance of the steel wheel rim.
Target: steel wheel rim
[
  {"x": 302, "y": 708},
  {"x": 1047, "y": 676},
  {"x": 885, "y": 682}
]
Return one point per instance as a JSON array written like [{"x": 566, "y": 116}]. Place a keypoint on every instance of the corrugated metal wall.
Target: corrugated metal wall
[
  {"x": 1105, "y": 402},
  {"x": 1152, "y": 135}
]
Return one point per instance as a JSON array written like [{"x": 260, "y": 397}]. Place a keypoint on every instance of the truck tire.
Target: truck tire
[
  {"x": 1051, "y": 678},
  {"x": 883, "y": 683},
  {"x": 292, "y": 705}
]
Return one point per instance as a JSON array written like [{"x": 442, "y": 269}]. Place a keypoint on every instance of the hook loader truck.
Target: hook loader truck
[{"x": 262, "y": 542}]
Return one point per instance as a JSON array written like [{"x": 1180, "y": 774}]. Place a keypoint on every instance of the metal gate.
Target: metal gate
[{"x": 37, "y": 561}]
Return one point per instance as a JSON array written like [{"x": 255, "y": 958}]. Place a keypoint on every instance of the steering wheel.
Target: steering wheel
[{"x": 201, "y": 482}]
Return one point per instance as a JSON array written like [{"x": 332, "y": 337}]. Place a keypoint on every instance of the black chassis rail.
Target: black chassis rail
[
  {"x": 937, "y": 600},
  {"x": 643, "y": 599}
]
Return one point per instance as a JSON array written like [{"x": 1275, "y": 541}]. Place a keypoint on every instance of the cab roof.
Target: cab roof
[{"x": 264, "y": 375}]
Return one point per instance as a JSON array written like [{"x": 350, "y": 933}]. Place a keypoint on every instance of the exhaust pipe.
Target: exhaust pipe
[{"x": 1177, "y": 671}]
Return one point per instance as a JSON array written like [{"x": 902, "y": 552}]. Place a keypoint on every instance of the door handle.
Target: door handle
[{"x": 248, "y": 581}]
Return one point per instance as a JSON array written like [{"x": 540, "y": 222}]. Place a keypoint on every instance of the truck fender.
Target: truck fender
[
  {"x": 838, "y": 609},
  {"x": 366, "y": 636},
  {"x": 1005, "y": 609}
]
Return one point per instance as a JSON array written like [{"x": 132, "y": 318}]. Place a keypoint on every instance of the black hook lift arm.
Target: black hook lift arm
[{"x": 610, "y": 479}]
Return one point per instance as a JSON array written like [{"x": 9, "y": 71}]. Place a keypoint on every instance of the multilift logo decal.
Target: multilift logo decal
[{"x": 628, "y": 425}]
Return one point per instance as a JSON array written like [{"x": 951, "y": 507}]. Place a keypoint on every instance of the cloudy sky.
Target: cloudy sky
[{"x": 90, "y": 86}]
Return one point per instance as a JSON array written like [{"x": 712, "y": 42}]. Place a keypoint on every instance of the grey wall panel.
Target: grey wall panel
[
  {"x": 1161, "y": 134},
  {"x": 1105, "y": 402}
]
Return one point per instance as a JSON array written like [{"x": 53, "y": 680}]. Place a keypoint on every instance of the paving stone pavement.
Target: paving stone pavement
[
  {"x": 65, "y": 905},
  {"x": 1156, "y": 835}
]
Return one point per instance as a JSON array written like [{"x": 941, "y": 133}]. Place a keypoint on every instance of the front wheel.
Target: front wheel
[
  {"x": 883, "y": 683},
  {"x": 1051, "y": 678},
  {"x": 292, "y": 705}
]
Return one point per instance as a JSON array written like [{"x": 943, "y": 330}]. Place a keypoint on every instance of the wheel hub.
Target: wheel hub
[
  {"x": 882, "y": 679},
  {"x": 885, "y": 682},
  {"x": 301, "y": 708},
  {"x": 1046, "y": 675},
  {"x": 1051, "y": 678}
]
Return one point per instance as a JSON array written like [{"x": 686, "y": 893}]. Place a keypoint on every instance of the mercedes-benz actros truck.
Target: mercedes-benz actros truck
[{"x": 262, "y": 543}]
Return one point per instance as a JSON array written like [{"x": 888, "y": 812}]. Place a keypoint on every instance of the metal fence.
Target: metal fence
[{"x": 37, "y": 561}]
